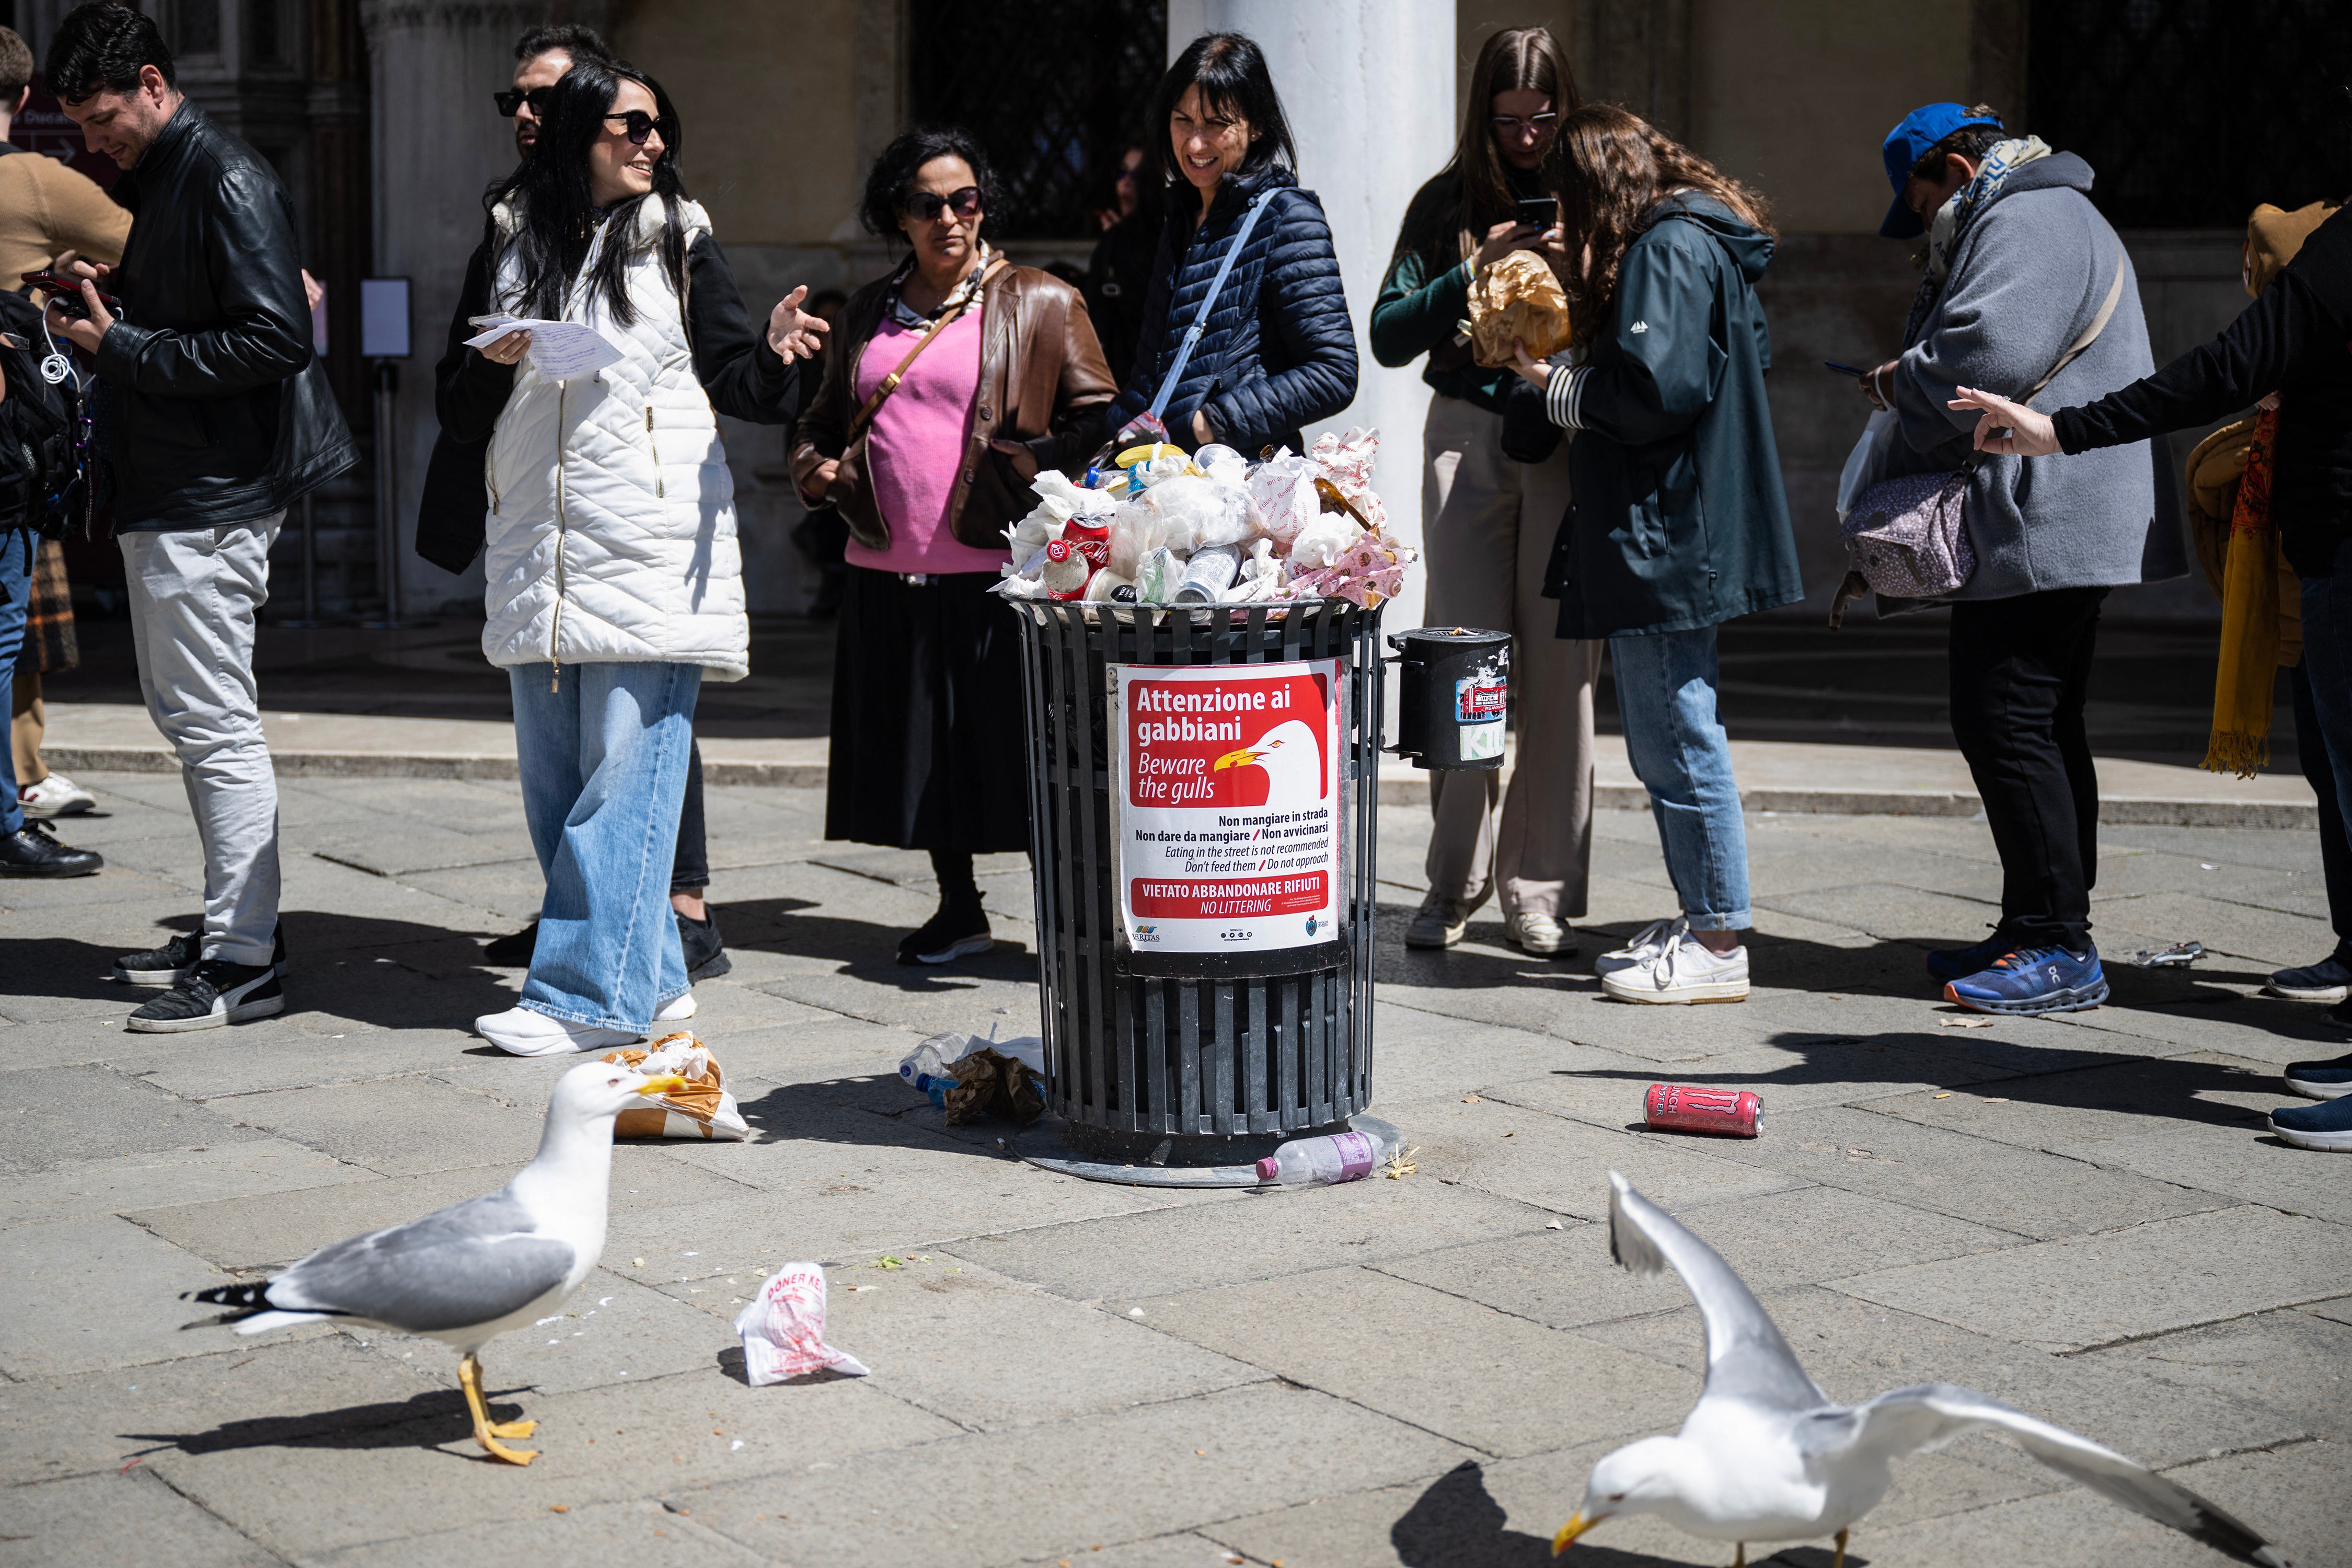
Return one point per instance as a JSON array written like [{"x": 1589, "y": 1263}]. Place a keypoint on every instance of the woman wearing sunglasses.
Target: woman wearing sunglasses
[
  {"x": 613, "y": 581},
  {"x": 958, "y": 378}
]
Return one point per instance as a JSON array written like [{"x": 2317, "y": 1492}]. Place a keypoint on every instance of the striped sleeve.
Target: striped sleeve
[{"x": 1564, "y": 396}]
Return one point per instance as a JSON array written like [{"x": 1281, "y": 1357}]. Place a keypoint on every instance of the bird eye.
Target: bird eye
[{"x": 1616, "y": 1496}]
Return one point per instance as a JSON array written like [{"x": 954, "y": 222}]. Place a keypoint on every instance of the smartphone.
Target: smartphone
[
  {"x": 1845, "y": 369},
  {"x": 66, "y": 294},
  {"x": 1537, "y": 211}
]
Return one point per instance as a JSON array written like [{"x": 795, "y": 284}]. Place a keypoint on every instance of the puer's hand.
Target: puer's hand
[
  {"x": 2010, "y": 429},
  {"x": 1536, "y": 373},
  {"x": 508, "y": 349},
  {"x": 87, "y": 335},
  {"x": 792, "y": 333}
]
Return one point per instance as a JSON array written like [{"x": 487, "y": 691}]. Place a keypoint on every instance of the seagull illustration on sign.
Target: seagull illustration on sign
[{"x": 1286, "y": 763}]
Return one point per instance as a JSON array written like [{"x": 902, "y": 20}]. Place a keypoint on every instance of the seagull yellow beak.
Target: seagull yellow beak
[
  {"x": 1577, "y": 1525},
  {"x": 655, "y": 1088}
]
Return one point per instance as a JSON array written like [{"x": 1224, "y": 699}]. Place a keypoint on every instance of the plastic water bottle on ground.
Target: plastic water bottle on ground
[{"x": 1336, "y": 1157}]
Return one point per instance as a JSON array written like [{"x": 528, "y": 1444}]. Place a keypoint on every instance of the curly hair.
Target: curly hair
[
  {"x": 1610, "y": 169},
  {"x": 901, "y": 163}
]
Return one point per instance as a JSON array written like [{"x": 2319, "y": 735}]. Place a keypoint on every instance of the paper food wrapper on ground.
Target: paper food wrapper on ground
[
  {"x": 783, "y": 1329},
  {"x": 1517, "y": 298},
  {"x": 703, "y": 1108}
]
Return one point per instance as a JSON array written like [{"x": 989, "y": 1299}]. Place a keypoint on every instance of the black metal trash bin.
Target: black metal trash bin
[{"x": 1158, "y": 1050}]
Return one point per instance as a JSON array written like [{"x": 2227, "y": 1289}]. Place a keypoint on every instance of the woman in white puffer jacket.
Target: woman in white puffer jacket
[{"x": 614, "y": 582}]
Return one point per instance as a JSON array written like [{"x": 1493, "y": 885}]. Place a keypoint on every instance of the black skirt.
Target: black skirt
[{"x": 929, "y": 741}]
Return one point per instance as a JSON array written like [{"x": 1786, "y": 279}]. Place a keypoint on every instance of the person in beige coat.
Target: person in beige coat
[{"x": 44, "y": 208}]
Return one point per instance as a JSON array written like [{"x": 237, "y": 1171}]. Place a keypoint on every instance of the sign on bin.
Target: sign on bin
[{"x": 1227, "y": 781}]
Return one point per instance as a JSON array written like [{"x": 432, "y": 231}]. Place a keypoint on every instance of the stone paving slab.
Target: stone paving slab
[
  {"x": 1333, "y": 1356},
  {"x": 2085, "y": 1290},
  {"x": 124, "y": 1519}
]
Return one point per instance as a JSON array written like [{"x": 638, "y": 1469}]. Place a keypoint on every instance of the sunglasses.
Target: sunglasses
[
  {"x": 513, "y": 99},
  {"x": 1511, "y": 124},
  {"x": 637, "y": 125},
  {"x": 925, "y": 207}
]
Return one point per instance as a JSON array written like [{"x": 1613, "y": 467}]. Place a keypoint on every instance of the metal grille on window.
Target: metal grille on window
[
  {"x": 2192, "y": 111},
  {"x": 1054, "y": 89}
]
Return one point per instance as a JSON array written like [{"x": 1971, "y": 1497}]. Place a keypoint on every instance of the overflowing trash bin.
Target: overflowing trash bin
[{"x": 1204, "y": 789}]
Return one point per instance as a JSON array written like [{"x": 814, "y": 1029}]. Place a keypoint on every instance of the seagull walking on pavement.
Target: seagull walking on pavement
[
  {"x": 1767, "y": 1456},
  {"x": 466, "y": 1274}
]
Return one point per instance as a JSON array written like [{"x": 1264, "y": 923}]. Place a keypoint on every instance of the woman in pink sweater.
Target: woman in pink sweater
[{"x": 951, "y": 384}]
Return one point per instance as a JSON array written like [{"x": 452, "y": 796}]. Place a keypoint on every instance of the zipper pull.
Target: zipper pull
[{"x": 555, "y": 675}]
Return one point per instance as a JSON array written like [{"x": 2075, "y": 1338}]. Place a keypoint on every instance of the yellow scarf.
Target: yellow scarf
[{"x": 2248, "y": 672}]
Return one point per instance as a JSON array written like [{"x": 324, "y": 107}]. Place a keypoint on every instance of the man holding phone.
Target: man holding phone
[{"x": 219, "y": 417}]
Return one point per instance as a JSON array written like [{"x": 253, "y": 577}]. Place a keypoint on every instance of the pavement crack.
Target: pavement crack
[{"x": 349, "y": 863}]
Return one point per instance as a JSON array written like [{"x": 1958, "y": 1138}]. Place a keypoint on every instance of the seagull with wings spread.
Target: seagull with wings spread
[
  {"x": 1767, "y": 1456},
  {"x": 466, "y": 1274}
]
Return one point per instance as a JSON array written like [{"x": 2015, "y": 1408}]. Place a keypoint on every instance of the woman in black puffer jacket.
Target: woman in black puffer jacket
[{"x": 1279, "y": 352}]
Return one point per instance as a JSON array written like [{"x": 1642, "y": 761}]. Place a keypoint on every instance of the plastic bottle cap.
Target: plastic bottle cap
[{"x": 1268, "y": 1170}]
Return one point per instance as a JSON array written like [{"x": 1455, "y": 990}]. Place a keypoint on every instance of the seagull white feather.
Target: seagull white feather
[
  {"x": 1765, "y": 1456},
  {"x": 465, "y": 1274}
]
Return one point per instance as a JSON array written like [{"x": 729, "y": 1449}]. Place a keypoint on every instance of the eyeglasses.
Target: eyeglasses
[
  {"x": 513, "y": 99},
  {"x": 1512, "y": 125},
  {"x": 637, "y": 125},
  {"x": 925, "y": 207}
]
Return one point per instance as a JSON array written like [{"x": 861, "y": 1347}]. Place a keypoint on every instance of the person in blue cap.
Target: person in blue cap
[{"x": 2027, "y": 290}]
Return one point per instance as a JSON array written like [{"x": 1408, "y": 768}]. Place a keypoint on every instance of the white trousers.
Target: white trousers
[
  {"x": 194, "y": 596},
  {"x": 1488, "y": 524}
]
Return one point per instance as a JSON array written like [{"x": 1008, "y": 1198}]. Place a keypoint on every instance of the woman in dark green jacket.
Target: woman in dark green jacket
[
  {"x": 1488, "y": 522},
  {"x": 1679, "y": 522}
]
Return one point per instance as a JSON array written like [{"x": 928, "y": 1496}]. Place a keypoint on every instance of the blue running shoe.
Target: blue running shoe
[
  {"x": 2033, "y": 979},
  {"x": 2325, "y": 1126},
  {"x": 2320, "y": 1081},
  {"x": 1959, "y": 963}
]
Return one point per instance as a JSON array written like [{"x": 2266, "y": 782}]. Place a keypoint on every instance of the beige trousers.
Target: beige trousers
[{"x": 1488, "y": 527}]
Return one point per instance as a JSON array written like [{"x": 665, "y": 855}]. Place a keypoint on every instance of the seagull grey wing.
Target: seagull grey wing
[
  {"x": 1746, "y": 1356},
  {"x": 470, "y": 1263},
  {"x": 1909, "y": 1420}
]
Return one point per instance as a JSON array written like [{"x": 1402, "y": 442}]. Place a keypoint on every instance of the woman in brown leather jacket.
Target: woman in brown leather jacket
[{"x": 951, "y": 383}]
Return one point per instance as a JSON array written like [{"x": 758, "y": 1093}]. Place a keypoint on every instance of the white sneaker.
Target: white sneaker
[
  {"x": 1647, "y": 943},
  {"x": 1439, "y": 923},
  {"x": 1545, "y": 936},
  {"x": 56, "y": 795},
  {"x": 677, "y": 1011},
  {"x": 520, "y": 1032},
  {"x": 1681, "y": 971}
]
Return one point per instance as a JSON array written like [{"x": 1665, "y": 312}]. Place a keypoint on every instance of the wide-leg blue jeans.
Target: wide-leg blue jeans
[{"x": 604, "y": 751}]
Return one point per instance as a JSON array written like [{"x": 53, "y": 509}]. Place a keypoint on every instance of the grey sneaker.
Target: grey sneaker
[
  {"x": 1439, "y": 923},
  {"x": 1545, "y": 936},
  {"x": 2326, "y": 981}
]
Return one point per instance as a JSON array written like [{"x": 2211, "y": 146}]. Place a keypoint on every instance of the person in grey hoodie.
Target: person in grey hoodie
[{"x": 2020, "y": 267}]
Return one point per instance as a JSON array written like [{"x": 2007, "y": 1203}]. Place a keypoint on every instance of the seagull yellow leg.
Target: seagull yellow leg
[
  {"x": 1840, "y": 1550},
  {"x": 488, "y": 1432},
  {"x": 1739, "y": 1554}
]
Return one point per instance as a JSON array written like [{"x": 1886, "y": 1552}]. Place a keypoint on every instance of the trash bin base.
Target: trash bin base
[{"x": 1075, "y": 1149}]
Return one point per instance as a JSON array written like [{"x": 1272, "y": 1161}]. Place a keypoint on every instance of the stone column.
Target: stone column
[
  {"x": 439, "y": 141},
  {"x": 1369, "y": 88}
]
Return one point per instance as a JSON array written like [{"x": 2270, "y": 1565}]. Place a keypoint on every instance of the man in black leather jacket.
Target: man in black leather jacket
[{"x": 214, "y": 417}]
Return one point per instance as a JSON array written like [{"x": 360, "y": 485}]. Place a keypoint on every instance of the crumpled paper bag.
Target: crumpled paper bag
[
  {"x": 1516, "y": 298},
  {"x": 783, "y": 1329},
  {"x": 992, "y": 1083},
  {"x": 703, "y": 1108}
]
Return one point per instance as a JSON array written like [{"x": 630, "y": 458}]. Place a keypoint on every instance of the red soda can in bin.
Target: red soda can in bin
[{"x": 1687, "y": 1108}]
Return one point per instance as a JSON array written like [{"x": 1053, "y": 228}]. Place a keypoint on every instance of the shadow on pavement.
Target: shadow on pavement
[
  {"x": 421, "y": 1421},
  {"x": 865, "y": 949},
  {"x": 1456, "y": 1524}
]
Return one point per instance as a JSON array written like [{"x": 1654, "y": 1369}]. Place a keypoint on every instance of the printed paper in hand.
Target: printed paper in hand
[{"x": 560, "y": 351}]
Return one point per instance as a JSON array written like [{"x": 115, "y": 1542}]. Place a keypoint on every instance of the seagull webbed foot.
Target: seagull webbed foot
[{"x": 486, "y": 1431}]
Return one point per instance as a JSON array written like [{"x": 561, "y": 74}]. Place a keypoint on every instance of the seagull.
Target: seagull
[
  {"x": 465, "y": 1274},
  {"x": 1765, "y": 1456}
]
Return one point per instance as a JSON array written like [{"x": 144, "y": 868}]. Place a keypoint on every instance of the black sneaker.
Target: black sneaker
[
  {"x": 32, "y": 851},
  {"x": 512, "y": 952},
  {"x": 168, "y": 965},
  {"x": 956, "y": 931},
  {"x": 215, "y": 992},
  {"x": 705, "y": 950}
]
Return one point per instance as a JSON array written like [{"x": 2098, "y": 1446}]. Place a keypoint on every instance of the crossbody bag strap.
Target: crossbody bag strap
[
  {"x": 873, "y": 405},
  {"x": 1217, "y": 287}
]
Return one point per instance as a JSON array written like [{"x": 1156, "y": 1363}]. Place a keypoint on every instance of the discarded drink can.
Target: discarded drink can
[{"x": 1687, "y": 1108}]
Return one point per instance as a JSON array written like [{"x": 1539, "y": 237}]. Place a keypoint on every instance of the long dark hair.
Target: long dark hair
[
  {"x": 1474, "y": 193},
  {"x": 549, "y": 192},
  {"x": 1609, "y": 170},
  {"x": 1230, "y": 70}
]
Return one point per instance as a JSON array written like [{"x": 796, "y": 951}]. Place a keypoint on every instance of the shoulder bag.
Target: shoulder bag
[{"x": 1909, "y": 537}]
